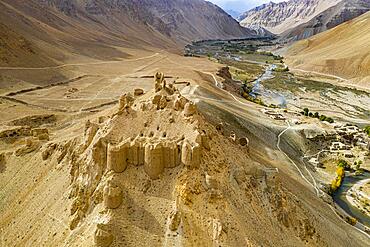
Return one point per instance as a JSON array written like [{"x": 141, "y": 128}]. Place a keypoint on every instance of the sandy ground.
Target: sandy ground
[
  {"x": 359, "y": 195},
  {"x": 31, "y": 186}
]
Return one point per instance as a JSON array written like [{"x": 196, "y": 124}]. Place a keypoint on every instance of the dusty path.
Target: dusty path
[
  {"x": 314, "y": 185},
  {"x": 359, "y": 227}
]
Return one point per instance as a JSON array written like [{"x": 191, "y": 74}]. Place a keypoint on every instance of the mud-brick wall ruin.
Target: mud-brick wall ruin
[
  {"x": 105, "y": 151},
  {"x": 155, "y": 155}
]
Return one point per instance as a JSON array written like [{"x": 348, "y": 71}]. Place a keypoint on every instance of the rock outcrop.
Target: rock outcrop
[
  {"x": 138, "y": 92},
  {"x": 118, "y": 157},
  {"x": 102, "y": 238},
  {"x": 2, "y": 161},
  {"x": 175, "y": 220},
  {"x": 108, "y": 149},
  {"x": 113, "y": 196}
]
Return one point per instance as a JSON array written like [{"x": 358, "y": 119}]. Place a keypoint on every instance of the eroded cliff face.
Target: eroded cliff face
[
  {"x": 330, "y": 18},
  {"x": 155, "y": 172},
  {"x": 279, "y": 17}
]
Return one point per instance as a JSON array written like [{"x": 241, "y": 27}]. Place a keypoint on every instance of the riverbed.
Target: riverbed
[
  {"x": 340, "y": 198},
  {"x": 268, "y": 96}
]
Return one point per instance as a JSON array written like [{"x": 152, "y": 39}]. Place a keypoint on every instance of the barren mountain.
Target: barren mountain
[
  {"x": 341, "y": 51},
  {"x": 332, "y": 17},
  {"x": 66, "y": 29},
  {"x": 233, "y": 13},
  {"x": 279, "y": 17}
]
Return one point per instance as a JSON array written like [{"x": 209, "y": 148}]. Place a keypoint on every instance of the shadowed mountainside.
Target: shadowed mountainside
[{"x": 100, "y": 29}]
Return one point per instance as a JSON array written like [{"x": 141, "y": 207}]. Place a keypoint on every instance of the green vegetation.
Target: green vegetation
[
  {"x": 367, "y": 130},
  {"x": 344, "y": 164},
  {"x": 306, "y": 112},
  {"x": 245, "y": 76},
  {"x": 252, "y": 99},
  {"x": 351, "y": 220},
  {"x": 283, "y": 69},
  {"x": 359, "y": 171}
]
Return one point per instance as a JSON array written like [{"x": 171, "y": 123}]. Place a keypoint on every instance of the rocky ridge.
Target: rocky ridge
[
  {"x": 330, "y": 18},
  {"x": 160, "y": 136},
  {"x": 279, "y": 17}
]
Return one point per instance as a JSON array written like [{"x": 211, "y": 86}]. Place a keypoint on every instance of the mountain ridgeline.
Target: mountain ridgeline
[
  {"x": 341, "y": 51},
  {"x": 99, "y": 27},
  {"x": 300, "y": 19}
]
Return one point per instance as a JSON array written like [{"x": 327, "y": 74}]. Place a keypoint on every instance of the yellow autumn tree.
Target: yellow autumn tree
[{"x": 340, "y": 172}]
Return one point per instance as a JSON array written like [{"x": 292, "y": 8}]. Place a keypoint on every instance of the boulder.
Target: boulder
[
  {"x": 159, "y": 80},
  {"x": 103, "y": 238},
  {"x": 190, "y": 109},
  {"x": 179, "y": 103},
  {"x": 243, "y": 141},
  {"x": 126, "y": 101},
  {"x": 233, "y": 137},
  {"x": 220, "y": 128},
  {"x": 162, "y": 103},
  {"x": 154, "y": 164},
  {"x": 170, "y": 89},
  {"x": 156, "y": 99},
  {"x": 138, "y": 92},
  {"x": 175, "y": 220},
  {"x": 112, "y": 196}
]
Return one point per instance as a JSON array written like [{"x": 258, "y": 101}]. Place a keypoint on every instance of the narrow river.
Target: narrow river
[
  {"x": 267, "y": 96},
  {"x": 340, "y": 198}
]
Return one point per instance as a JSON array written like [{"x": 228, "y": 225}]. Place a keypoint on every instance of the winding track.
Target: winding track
[
  {"x": 314, "y": 185},
  {"x": 358, "y": 226}
]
